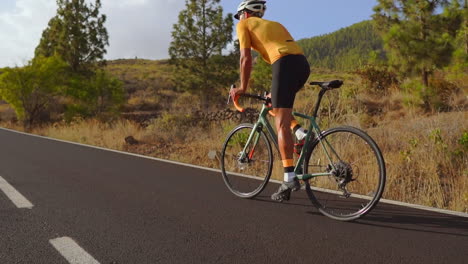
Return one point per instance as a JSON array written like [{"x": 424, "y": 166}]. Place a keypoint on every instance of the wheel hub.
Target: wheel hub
[
  {"x": 342, "y": 172},
  {"x": 242, "y": 161}
]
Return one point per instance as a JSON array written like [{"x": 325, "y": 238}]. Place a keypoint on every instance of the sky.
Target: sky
[{"x": 142, "y": 28}]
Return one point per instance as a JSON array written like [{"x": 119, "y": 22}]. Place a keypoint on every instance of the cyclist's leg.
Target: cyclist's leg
[
  {"x": 302, "y": 72},
  {"x": 283, "y": 117},
  {"x": 298, "y": 131},
  {"x": 283, "y": 94},
  {"x": 289, "y": 75},
  {"x": 299, "y": 77}
]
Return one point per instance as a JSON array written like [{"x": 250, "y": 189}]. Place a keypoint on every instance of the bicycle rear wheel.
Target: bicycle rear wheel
[
  {"x": 358, "y": 173},
  {"x": 246, "y": 173}
]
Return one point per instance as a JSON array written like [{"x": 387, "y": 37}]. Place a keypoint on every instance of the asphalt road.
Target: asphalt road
[{"x": 125, "y": 209}]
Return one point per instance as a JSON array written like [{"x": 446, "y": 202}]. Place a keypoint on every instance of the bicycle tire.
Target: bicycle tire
[
  {"x": 351, "y": 143},
  {"x": 246, "y": 178}
]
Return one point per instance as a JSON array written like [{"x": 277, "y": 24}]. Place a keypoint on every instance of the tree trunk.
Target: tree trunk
[
  {"x": 28, "y": 123},
  {"x": 425, "y": 96},
  {"x": 425, "y": 78}
]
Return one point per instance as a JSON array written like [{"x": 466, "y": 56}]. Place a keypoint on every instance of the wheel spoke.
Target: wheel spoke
[
  {"x": 354, "y": 155},
  {"x": 246, "y": 173}
]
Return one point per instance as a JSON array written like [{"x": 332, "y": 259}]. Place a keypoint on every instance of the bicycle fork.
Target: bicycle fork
[{"x": 255, "y": 136}]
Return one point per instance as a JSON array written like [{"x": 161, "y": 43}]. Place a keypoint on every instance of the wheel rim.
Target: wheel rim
[
  {"x": 358, "y": 175},
  {"x": 246, "y": 175}
]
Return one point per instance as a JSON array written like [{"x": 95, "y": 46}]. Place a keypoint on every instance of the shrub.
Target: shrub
[
  {"x": 438, "y": 97},
  {"x": 439, "y": 93},
  {"x": 377, "y": 79},
  {"x": 462, "y": 147},
  {"x": 95, "y": 95},
  {"x": 412, "y": 93},
  {"x": 172, "y": 126},
  {"x": 32, "y": 89}
]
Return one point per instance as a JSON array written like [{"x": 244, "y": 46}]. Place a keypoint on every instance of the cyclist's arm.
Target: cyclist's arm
[
  {"x": 245, "y": 68},
  {"x": 245, "y": 43}
]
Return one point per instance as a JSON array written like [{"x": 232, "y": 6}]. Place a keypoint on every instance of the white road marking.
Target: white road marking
[
  {"x": 71, "y": 251},
  {"x": 17, "y": 198},
  {"x": 415, "y": 206}
]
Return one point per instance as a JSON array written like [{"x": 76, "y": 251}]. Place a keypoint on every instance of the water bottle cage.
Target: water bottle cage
[{"x": 298, "y": 147}]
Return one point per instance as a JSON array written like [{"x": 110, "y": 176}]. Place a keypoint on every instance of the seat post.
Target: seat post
[{"x": 319, "y": 100}]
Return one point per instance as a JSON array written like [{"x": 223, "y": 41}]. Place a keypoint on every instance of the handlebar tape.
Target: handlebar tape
[
  {"x": 236, "y": 104},
  {"x": 240, "y": 109}
]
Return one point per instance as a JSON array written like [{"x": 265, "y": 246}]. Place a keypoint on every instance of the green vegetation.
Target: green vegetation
[
  {"x": 99, "y": 94},
  {"x": 77, "y": 34},
  {"x": 32, "y": 89},
  {"x": 460, "y": 56},
  {"x": 198, "y": 40},
  {"x": 65, "y": 71},
  {"x": 345, "y": 49},
  {"x": 261, "y": 76},
  {"x": 417, "y": 39}
]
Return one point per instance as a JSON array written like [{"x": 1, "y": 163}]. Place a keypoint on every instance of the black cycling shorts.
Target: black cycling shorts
[{"x": 290, "y": 73}]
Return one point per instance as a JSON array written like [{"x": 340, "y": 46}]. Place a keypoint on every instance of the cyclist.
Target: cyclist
[{"x": 290, "y": 72}]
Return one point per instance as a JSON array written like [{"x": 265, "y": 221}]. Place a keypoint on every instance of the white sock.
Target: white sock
[
  {"x": 300, "y": 133},
  {"x": 289, "y": 176}
]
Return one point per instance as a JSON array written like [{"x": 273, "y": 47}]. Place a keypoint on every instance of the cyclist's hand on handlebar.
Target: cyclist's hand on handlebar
[
  {"x": 236, "y": 92},
  {"x": 269, "y": 96}
]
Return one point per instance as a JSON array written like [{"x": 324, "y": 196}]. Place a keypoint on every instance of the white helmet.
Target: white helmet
[{"x": 258, "y": 7}]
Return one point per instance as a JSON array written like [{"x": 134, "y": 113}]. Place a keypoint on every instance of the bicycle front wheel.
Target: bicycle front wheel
[
  {"x": 246, "y": 165},
  {"x": 357, "y": 173}
]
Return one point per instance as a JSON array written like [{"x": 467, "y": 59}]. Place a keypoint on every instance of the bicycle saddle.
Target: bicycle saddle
[{"x": 329, "y": 85}]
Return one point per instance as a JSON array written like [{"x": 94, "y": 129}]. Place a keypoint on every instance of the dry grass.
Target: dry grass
[
  {"x": 7, "y": 113},
  {"x": 93, "y": 132},
  {"x": 427, "y": 162}
]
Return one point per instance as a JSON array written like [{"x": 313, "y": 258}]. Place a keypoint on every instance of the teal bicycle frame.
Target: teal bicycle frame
[{"x": 264, "y": 123}]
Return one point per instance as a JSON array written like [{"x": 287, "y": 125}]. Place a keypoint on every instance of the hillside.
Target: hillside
[{"x": 345, "y": 49}]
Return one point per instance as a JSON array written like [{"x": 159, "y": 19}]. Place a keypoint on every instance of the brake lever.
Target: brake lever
[
  {"x": 229, "y": 93},
  {"x": 268, "y": 99}
]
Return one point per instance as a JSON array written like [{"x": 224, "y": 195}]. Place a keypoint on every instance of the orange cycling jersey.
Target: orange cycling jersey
[{"x": 271, "y": 39}]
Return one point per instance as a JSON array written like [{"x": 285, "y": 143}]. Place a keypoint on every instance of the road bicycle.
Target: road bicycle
[{"x": 342, "y": 168}]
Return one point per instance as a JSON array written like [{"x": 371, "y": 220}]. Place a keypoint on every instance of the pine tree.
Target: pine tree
[
  {"x": 460, "y": 55},
  {"x": 417, "y": 39},
  {"x": 77, "y": 34},
  {"x": 198, "y": 40}
]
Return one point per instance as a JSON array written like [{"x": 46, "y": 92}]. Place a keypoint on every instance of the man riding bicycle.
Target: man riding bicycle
[{"x": 290, "y": 72}]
